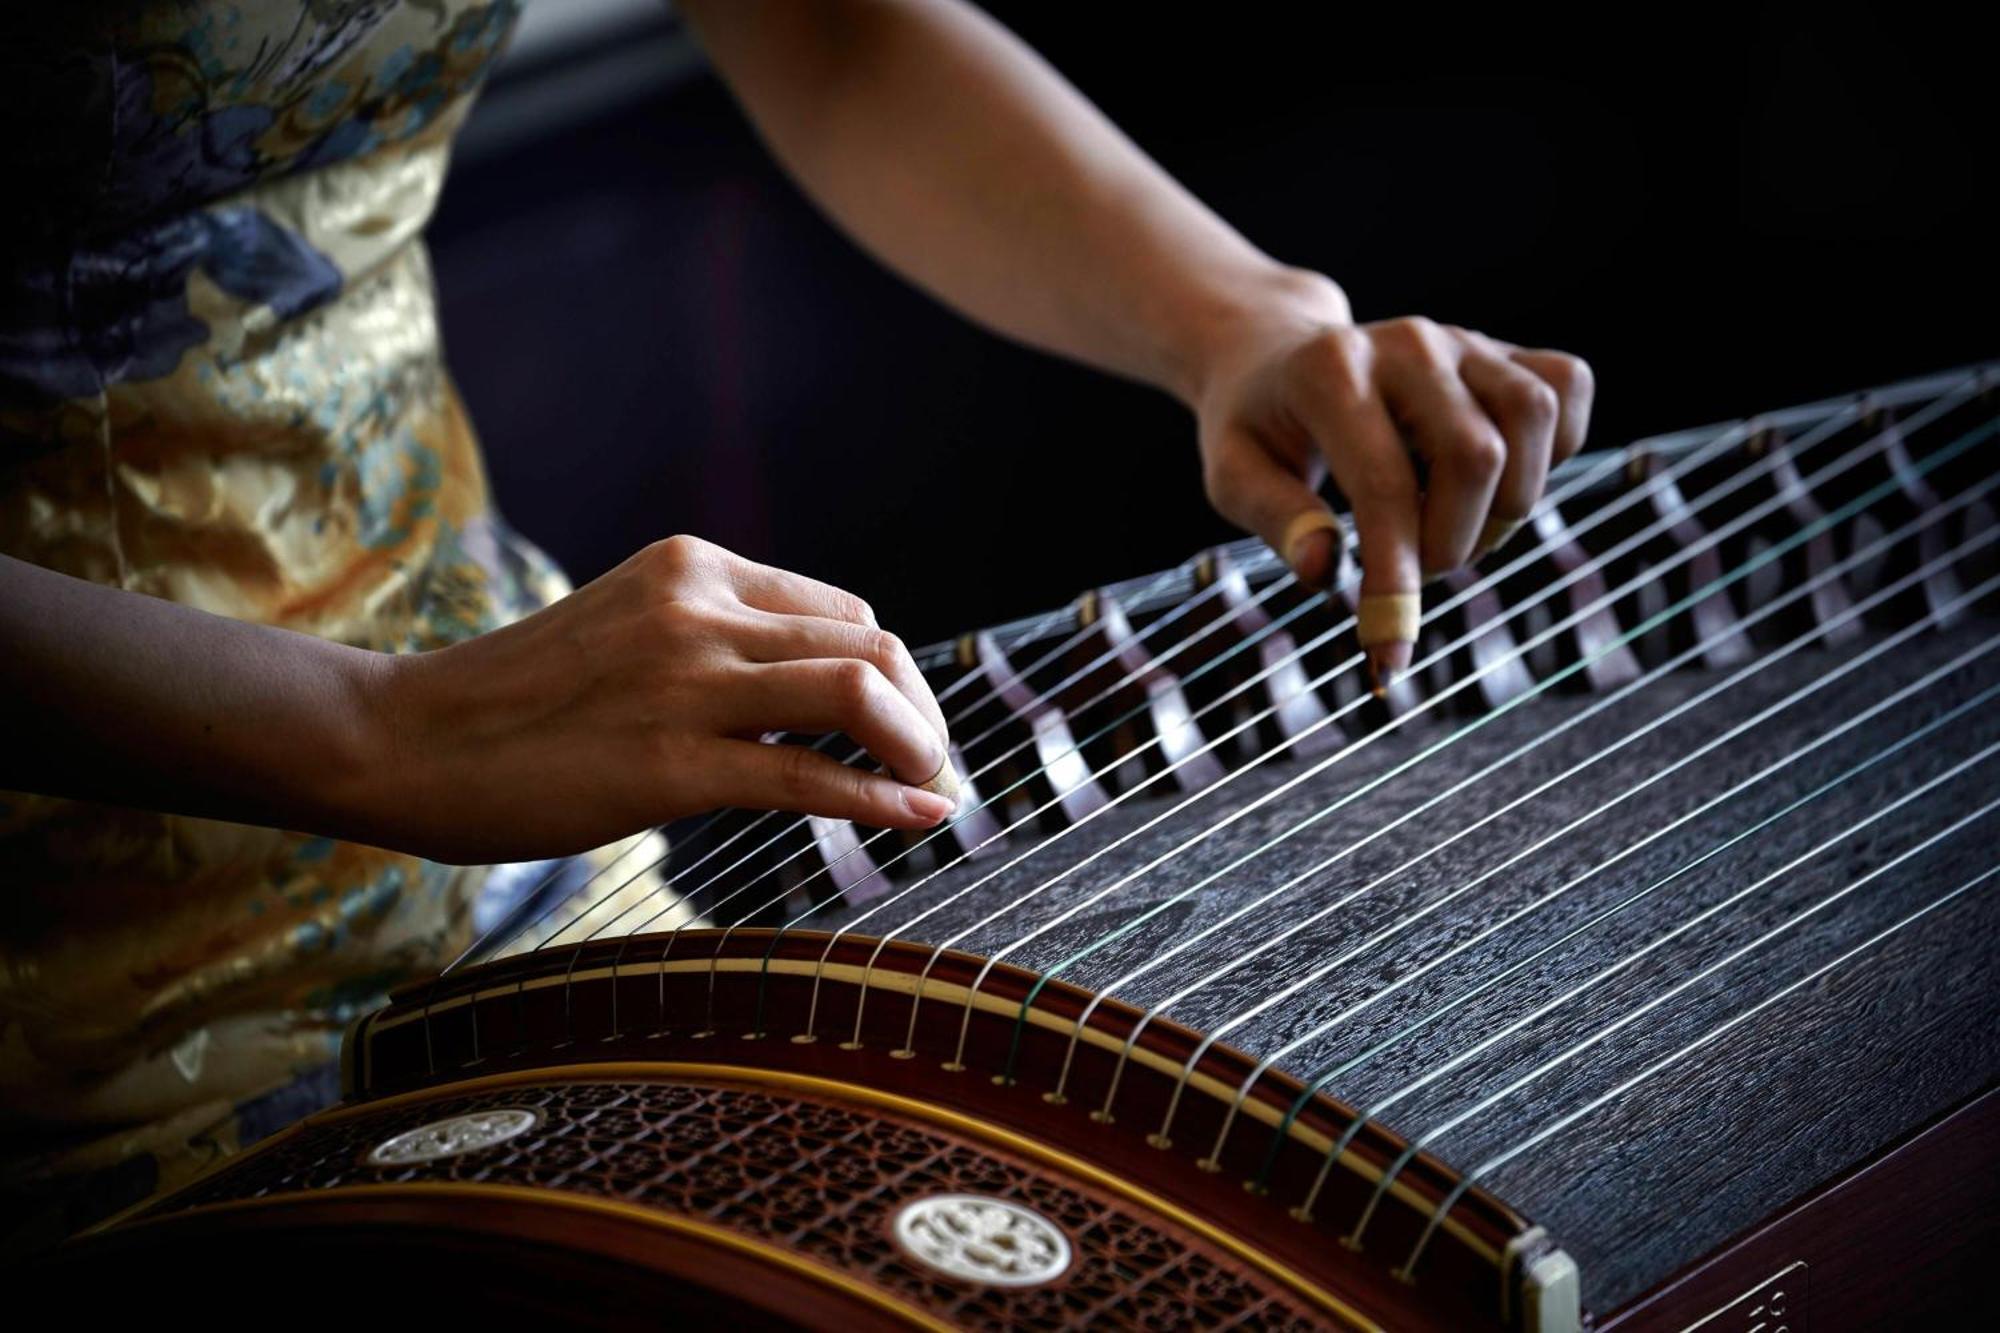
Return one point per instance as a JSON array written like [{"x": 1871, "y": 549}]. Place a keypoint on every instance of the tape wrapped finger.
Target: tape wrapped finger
[
  {"x": 1305, "y": 525},
  {"x": 1388, "y": 618},
  {"x": 943, "y": 783}
]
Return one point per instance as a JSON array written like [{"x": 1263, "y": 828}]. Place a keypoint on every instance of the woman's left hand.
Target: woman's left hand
[{"x": 1291, "y": 387}]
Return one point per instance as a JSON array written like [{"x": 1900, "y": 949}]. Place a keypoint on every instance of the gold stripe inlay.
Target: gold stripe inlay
[
  {"x": 835, "y": 1089},
  {"x": 903, "y": 983},
  {"x": 626, "y": 1212}
]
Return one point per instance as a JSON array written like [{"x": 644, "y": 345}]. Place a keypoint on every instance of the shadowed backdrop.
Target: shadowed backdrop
[{"x": 657, "y": 333}]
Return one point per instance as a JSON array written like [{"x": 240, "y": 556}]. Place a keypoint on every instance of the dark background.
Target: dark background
[{"x": 1723, "y": 212}]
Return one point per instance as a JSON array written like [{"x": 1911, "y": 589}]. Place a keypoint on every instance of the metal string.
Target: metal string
[
  {"x": 505, "y": 931},
  {"x": 1493, "y": 1163},
  {"x": 1695, "y": 458},
  {"x": 1625, "y": 1020},
  {"x": 493, "y": 941},
  {"x": 1013, "y": 676},
  {"x": 1849, "y": 460},
  {"x": 1599, "y": 467},
  {"x": 1034, "y": 629},
  {"x": 1044, "y": 696},
  {"x": 1587, "y": 476},
  {"x": 675, "y": 897},
  {"x": 1329, "y": 1074},
  {"x": 1033, "y": 632},
  {"x": 1678, "y": 710},
  {"x": 1611, "y": 700},
  {"x": 1835, "y": 419}
]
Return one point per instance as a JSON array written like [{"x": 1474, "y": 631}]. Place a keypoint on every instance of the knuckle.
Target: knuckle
[
  {"x": 1441, "y": 556},
  {"x": 1481, "y": 454},
  {"x": 675, "y": 557},
  {"x": 1571, "y": 376},
  {"x": 884, "y": 649},
  {"x": 798, "y": 773},
  {"x": 854, "y": 684},
  {"x": 1535, "y": 402},
  {"x": 1414, "y": 336},
  {"x": 1334, "y": 359}
]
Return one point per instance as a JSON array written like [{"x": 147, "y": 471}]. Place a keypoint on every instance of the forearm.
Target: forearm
[
  {"x": 956, "y": 155},
  {"x": 112, "y": 696}
]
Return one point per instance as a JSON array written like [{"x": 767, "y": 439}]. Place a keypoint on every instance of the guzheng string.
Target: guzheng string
[
  {"x": 1443, "y": 1128},
  {"x": 1490, "y": 1164},
  {"x": 1793, "y": 595},
  {"x": 1910, "y": 425},
  {"x": 1584, "y": 478},
  {"x": 1016, "y": 676},
  {"x": 1376, "y": 1107},
  {"x": 1580, "y": 481},
  {"x": 1245, "y": 724},
  {"x": 1215, "y": 1033},
  {"x": 674, "y": 897},
  {"x": 505, "y": 932},
  {"x": 1741, "y": 478},
  {"x": 1845, "y": 463},
  {"x": 1840, "y": 672},
  {"x": 1653, "y": 725},
  {"x": 1041, "y": 698},
  {"x": 1587, "y": 472},
  {"x": 1242, "y": 647}
]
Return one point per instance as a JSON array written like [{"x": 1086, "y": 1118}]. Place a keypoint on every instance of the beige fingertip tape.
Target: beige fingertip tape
[
  {"x": 1391, "y": 617},
  {"x": 1313, "y": 520},
  {"x": 943, "y": 783},
  {"x": 1496, "y": 532}
]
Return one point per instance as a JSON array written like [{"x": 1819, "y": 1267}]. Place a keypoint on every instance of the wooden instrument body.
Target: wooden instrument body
[{"x": 738, "y": 1116}]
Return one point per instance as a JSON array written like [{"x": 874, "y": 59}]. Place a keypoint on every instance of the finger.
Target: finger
[
  {"x": 1262, "y": 493},
  {"x": 763, "y": 637},
  {"x": 782, "y": 592},
  {"x": 1576, "y": 388},
  {"x": 1526, "y": 410},
  {"x": 1465, "y": 452},
  {"x": 1371, "y": 465},
  {"x": 839, "y": 694},
  {"x": 756, "y": 776}
]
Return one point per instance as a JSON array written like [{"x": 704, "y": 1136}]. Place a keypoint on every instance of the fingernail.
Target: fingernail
[
  {"x": 927, "y": 805},
  {"x": 1496, "y": 534},
  {"x": 1386, "y": 663}
]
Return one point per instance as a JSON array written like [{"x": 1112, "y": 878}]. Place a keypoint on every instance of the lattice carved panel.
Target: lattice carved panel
[{"x": 820, "y": 1177}]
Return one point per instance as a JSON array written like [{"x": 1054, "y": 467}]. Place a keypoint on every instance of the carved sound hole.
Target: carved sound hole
[
  {"x": 453, "y": 1136},
  {"x": 826, "y": 1180},
  {"x": 983, "y": 1239}
]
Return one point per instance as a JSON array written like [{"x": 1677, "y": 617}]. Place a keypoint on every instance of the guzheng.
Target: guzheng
[{"x": 1631, "y": 962}]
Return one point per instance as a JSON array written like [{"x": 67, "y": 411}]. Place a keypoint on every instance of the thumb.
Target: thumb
[{"x": 1258, "y": 492}]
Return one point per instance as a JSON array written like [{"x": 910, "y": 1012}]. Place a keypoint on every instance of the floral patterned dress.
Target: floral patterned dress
[{"x": 221, "y": 384}]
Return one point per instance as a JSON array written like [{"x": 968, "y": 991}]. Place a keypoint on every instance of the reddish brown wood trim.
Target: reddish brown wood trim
[
  {"x": 1906, "y": 1241},
  {"x": 677, "y": 1016}
]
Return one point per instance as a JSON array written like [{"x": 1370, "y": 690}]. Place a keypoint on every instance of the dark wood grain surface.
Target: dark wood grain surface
[{"x": 1693, "y": 1155}]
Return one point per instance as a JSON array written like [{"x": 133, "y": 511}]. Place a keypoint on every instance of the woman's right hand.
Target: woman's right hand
[{"x": 640, "y": 698}]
